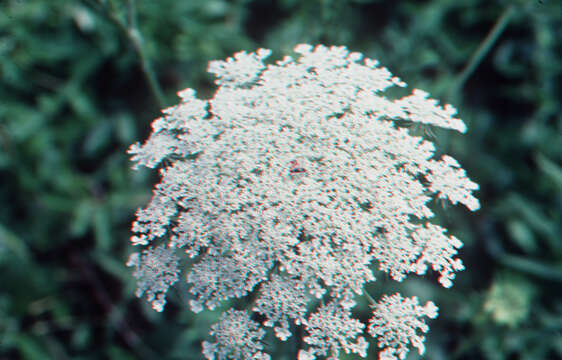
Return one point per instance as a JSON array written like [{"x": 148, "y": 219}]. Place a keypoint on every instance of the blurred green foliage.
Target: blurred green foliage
[{"x": 82, "y": 79}]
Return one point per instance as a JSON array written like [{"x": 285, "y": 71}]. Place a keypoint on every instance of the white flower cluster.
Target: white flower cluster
[
  {"x": 238, "y": 337},
  {"x": 395, "y": 324},
  {"x": 291, "y": 183},
  {"x": 155, "y": 269}
]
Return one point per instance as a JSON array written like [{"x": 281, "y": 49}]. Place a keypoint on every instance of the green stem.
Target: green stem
[
  {"x": 369, "y": 298},
  {"x": 132, "y": 33},
  {"x": 484, "y": 48},
  {"x": 136, "y": 38}
]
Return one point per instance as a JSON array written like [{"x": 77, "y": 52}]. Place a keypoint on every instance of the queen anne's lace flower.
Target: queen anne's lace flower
[
  {"x": 237, "y": 337},
  {"x": 397, "y": 322},
  {"x": 292, "y": 181},
  {"x": 331, "y": 329},
  {"x": 280, "y": 299},
  {"x": 155, "y": 269}
]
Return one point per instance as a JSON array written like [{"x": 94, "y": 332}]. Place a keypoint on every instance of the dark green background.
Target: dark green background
[{"x": 81, "y": 80}]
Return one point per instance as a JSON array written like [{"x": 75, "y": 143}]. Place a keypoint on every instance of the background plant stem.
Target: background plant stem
[{"x": 483, "y": 49}]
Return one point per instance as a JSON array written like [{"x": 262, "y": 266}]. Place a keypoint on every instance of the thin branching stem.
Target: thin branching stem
[
  {"x": 484, "y": 48},
  {"x": 136, "y": 38},
  {"x": 131, "y": 31},
  {"x": 369, "y": 298}
]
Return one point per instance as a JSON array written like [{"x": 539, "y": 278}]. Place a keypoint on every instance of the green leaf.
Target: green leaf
[
  {"x": 114, "y": 266},
  {"x": 522, "y": 236},
  {"x": 552, "y": 170},
  {"x": 98, "y": 138},
  {"x": 12, "y": 243},
  {"x": 82, "y": 218},
  {"x": 30, "y": 348},
  {"x": 102, "y": 227}
]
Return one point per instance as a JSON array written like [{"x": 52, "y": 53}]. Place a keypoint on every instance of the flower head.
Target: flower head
[{"x": 298, "y": 177}]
